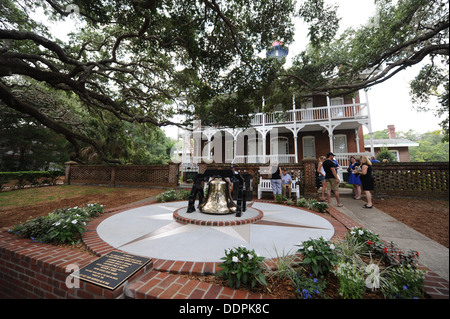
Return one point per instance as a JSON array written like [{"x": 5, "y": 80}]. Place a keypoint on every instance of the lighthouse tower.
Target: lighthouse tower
[{"x": 277, "y": 50}]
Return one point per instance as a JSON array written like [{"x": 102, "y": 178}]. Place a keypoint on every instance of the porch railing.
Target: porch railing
[
  {"x": 282, "y": 159},
  {"x": 343, "y": 159},
  {"x": 314, "y": 114}
]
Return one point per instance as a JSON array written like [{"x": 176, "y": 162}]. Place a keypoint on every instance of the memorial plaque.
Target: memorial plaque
[{"x": 112, "y": 269}]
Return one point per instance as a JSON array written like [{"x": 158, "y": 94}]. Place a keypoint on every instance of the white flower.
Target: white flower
[
  {"x": 310, "y": 248},
  {"x": 360, "y": 232},
  {"x": 373, "y": 279},
  {"x": 57, "y": 224},
  {"x": 74, "y": 221},
  {"x": 352, "y": 232},
  {"x": 235, "y": 259},
  {"x": 250, "y": 256},
  {"x": 332, "y": 247}
]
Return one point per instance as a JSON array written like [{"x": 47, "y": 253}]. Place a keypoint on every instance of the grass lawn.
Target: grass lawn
[
  {"x": 32, "y": 196},
  {"x": 17, "y": 206}
]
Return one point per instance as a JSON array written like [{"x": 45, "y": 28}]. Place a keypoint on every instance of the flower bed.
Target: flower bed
[
  {"x": 360, "y": 266},
  {"x": 62, "y": 226}
]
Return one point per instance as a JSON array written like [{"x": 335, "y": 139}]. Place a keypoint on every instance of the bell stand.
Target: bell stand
[{"x": 197, "y": 188}]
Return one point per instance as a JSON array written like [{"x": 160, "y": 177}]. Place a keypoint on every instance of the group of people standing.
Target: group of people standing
[{"x": 360, "y": 176}]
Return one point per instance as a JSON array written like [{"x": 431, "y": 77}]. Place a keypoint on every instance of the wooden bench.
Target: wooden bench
[{"x": 266, "y": 186}]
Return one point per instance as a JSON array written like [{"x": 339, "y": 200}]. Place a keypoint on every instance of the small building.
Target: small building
[{"x": 397, "y": 146}]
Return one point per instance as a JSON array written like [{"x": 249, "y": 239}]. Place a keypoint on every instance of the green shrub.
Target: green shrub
[
  {"x": 351, "y": 280},
  {"x": 385, "y": 154},
  {"x": 30, "y": 177},
  {"x": 242, "y": 266},
  {"x": 184, "y": 194},
  {"x": 364, "y": 236},
  {"x": 4, "y": 179},
  {"x": 62, "y": 226},
  {"x": 172, "y": 195},
  {"x": 279, "y": 198},
  {"x": 312, "y": 204},
  {"x": 35, "y": 229},
  {"x": 405, "y": 282},
  {"x": 319, "y": 207},
  {"x": 301, "y": 202},
  {"x": 318, "y": 255}
]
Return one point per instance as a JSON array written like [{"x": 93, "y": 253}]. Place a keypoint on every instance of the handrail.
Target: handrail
[{"x": 323, "y": 113}]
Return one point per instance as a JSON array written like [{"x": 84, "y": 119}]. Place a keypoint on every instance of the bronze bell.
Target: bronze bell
[{"x": 218, "y": 201}]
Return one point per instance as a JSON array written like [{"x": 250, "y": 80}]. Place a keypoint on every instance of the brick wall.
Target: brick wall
[
  {"x": 39, "y": 271},
  {"x": 429, "y": 179},
  {"x": 123, "y": 175},
  {"x": 394, "y": 179}
]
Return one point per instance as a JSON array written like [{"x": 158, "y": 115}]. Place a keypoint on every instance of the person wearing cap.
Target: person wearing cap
[{"x": 332, "y": 178}]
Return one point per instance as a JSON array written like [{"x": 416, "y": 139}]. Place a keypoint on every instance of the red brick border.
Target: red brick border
[{"x": 243, "y": 221}]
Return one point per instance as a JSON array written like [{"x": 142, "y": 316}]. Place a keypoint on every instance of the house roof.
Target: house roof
[{"x": 390, "y": 142}]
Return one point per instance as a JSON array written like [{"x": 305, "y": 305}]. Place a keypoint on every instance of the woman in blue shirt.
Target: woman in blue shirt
[{"x": 354, "y": 179}]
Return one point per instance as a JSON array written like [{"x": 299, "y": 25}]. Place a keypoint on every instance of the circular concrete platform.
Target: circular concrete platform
[{"x": 155, "y": 232}]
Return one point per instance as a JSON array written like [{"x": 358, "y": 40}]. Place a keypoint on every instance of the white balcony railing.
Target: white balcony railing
[
  {"x": 262, "y": 159},
  {"x": 315, "y": 114}
]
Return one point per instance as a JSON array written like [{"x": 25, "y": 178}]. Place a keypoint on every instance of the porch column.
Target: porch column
[
  {"x": 263, "y": 133},
  {"x": 330, "y": 135},
  {"x": 209, "y": 148},
  {"x": 295, "y": 148},
  {"x": 357, "y": 140},
  {"x": 330, "y": 127},
  {"x": 372, "y": 149},
  {"x": 234, "y": 149},
  {"x": 264, "y": 148},
  {"x": 295, "y": 130}
]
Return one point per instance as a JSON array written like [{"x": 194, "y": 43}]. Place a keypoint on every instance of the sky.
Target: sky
[{"x": 389, "y": 102}]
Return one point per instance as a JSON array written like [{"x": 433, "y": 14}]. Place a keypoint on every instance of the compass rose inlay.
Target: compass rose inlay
[{"x": 152, "y": 231}]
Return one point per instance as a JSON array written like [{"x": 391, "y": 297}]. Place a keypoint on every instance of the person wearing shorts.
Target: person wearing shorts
[
  {"x": 275, "y": 181},
  {"x": 331, "y": 178}
]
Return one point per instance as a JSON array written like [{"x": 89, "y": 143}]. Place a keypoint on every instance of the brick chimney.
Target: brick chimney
[{"x": 391, "y": 131}]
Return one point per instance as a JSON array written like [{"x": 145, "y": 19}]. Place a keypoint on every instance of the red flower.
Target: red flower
[
  {"x": 385, "y": 250},
  {"x": 369, "y": 242}
]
